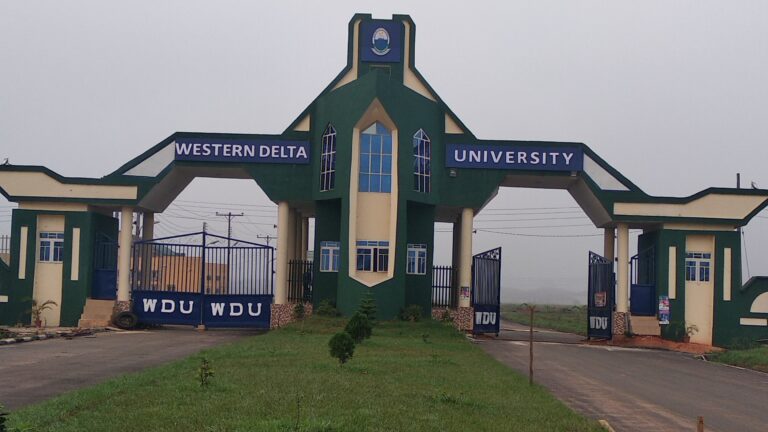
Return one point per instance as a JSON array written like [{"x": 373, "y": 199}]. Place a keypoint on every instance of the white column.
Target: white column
[
  {"x": 124, "y": 256},
  {"x": 148, "y": 226},
  {"x": 281, "y": 271},
  {"x": 622, "y": 269},
  {"x": 465, "y": 257},
  {"x": 609, "y": 240}
]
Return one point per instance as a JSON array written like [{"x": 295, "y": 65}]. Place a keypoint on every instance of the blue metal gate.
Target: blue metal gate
[
  {"x": 486, "y": 291},
  {"x": 104, "y": 286},
  {"x": 642, "y": 290},
  {"x": 600, "y": 297},
  {"x": 202, "y": 279}
]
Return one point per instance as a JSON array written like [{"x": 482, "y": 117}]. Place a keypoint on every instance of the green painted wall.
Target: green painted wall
[
  {"x": 726, "y": 327},
  {"x": 74, "y": 293},
  {"x": 327, "y": 228},
  {"x": 421, "y": 228},
  {"x": 20, "y": 292}
]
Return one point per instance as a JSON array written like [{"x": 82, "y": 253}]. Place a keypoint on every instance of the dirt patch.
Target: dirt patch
[{"x": 655, "y": 342}]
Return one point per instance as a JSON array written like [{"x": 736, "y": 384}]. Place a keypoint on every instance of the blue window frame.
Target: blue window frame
[
  {"x": 375, "y": 159},
  {"x": 416, "y": 259},
  {"x": 422, "y": 169},
  {"x": 51, "y": 247},
  {"x": 329, "y": 256},
  {"x": 373, "y": 256},
  {"x": 328, "y": 159}
]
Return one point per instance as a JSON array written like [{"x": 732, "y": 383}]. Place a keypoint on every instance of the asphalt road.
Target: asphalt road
[
  {"x": 31, "y": 372},
  {"x": 637, "y": 389}
]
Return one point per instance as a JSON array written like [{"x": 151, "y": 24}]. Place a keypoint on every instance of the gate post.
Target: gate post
[
  {"x": 283, "y": 220},
  {"x": 622, "y": 270},
  {"x": 124, "y": 260},
  {"x": 465, "y": 258}
]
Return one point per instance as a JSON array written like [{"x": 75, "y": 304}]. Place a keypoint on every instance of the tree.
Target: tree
[{"x": 368, "y": 308}]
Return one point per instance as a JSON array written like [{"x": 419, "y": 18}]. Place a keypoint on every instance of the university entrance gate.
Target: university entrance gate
[
  {"x": 486, "y": 291},
  {"x": 202, "y": 279}
]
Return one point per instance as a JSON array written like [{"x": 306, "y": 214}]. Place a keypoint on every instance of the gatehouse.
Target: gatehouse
[{"x": 376, "y": 160}]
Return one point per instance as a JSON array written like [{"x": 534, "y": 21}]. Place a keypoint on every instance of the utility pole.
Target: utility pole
[
  {"x": 229, "y": 216},
  {"x": 266, "y": 237}
]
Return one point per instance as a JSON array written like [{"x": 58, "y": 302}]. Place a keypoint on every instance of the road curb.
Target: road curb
[{"x": 50, "y": 335}]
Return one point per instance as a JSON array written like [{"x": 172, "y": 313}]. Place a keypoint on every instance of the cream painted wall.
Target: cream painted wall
[
  {"x": 38, "y": 184},
  {"x": 700, "y": 296},
  {"x": 379, "y": 208},
  {"x": 672, "y": 281},
  {"x": 48, "y": 276},
  {"x": 75, "y": 265},
  {"x": 410, "y": 79},
  {"x": 760, "y": 305},
  {"x": 49, "y": 206},
  {"x": 352, "y": 74},
  {"x": 710, "y": 206},
  {"x": 23, "y": 236}
]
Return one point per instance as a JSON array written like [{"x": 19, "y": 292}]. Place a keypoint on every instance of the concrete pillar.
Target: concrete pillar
[
  {"x": 148, "y": 227},
  {"x": 304, "y": 238},
  {"x": 456, "y": 251},
  {"x": 622, "y": 269},
  {"x": 465, "y": 258},
  {"x": 281, "y": 270},
  {"x": 124, "y": 255},
  {"x": 145, "y": 266},
  {"x": 609, "y": 240}
]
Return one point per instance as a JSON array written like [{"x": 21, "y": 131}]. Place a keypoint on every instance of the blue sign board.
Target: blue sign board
[
  {"x": 487, "y": 319},
  {"x": 600, "y": 323},
  {"x": 514, "y": 157},
  {"x": 213, "y": 310},
  {"x": 381, "y": 41},
  {"x": 241, "y": 150}
]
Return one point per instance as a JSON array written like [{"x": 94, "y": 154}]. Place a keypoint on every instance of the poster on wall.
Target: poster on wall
[{"x": 663, "y": 309}]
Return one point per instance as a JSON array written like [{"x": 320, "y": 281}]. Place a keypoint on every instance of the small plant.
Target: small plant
[
  {"x": 359, "y": 327},
  {"x": 341, "y": 347},
  {"x": 37, "y": 311},
  {"x": 690, "y": 330},
  {"x": 326, "y": 308},
  {"x": 410, "y": 313},
  {"x": 205, "y": 372},
  {"x": 425, "y": 338},
  {"x": 368, "y": 308},
  {"x": 298, "y": 311}
]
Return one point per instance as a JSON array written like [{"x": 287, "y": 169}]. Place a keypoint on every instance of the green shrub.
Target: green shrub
[
  {"x": 410, "y": 313},
  {"x": 368, "y": 308},
  {"x": 298, "y": 311},
  {"x": 341, "y": 347},
  {"x": 326, "y": 308},
  {"x": 359, "y": 327}
]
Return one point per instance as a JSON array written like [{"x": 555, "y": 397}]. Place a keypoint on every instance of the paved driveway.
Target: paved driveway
[
  {"x": 640, "y": 390},
  {"x": 34, "y": 371}
]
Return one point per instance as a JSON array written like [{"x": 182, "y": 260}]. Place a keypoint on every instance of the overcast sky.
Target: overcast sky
[{"x": 672, "y": 94}]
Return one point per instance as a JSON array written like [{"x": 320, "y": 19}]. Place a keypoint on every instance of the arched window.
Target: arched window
[
  {"x": 328, "y": 159},
  {"x": 422, "y": 170},
  {"x": 375, "y": 159}
]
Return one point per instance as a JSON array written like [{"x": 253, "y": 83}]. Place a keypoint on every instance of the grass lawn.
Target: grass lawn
[
  {"x": 570, "y": 319},
  {"x": 754, "y": 358},
  {"x": 407, "y": 377}
]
